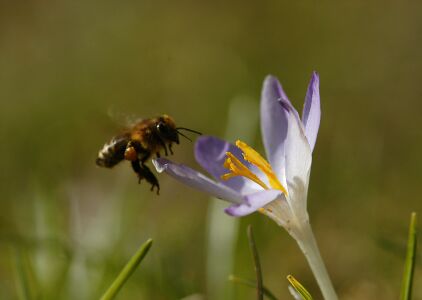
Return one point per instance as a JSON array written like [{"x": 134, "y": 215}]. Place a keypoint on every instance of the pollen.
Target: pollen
[
  {"x": 237, "y": 168},
  {"x": 130, "y": 154}
]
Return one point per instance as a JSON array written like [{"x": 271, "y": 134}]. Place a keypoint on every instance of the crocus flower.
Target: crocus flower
[{"x": 276, "y": 187}]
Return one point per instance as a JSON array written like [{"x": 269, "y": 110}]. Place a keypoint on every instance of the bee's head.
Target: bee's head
[{"x": 166, "y": 129}]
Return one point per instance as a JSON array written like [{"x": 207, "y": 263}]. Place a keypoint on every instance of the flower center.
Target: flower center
[{"x": 237, "y": 168}]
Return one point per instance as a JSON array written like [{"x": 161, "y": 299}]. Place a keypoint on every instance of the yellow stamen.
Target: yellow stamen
[
  {"x": 250, "y": 155},
  {"x": 237, "y": 168}
]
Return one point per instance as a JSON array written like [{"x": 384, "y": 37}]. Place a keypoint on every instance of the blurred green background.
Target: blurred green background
[{"x": 66, "y": 66}]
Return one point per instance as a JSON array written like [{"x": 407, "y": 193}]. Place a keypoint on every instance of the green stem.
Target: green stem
[
  {"x": 127, "y": 271},
  {"x": 257, "y": 265},
  {"x": 406, "y": 291}
]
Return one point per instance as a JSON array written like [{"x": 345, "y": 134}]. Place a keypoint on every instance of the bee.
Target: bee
[{"x": 139, "y": 142}]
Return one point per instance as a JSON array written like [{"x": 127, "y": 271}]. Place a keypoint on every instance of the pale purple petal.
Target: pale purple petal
[
  {"x": 210, "y": 153},
  {"x": 312, "y": 110},
  {"x": 197, "y": 180},
  {"x": 274, "y": 123},
  {"x": 253, "y": 202}
]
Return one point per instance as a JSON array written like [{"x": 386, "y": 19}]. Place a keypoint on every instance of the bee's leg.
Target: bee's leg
[
  {"x": 150, "y": 177},
  {"x": 144, "y": 172},
  {"x": 144, "y": 156},
  {"x": 171, "y": 151},
  {"x": 136, "y": 166},
  {"x": 164, "y": 147}
]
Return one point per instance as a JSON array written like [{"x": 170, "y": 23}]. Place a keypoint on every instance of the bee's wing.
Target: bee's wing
[{"x": 123, "y": 119}]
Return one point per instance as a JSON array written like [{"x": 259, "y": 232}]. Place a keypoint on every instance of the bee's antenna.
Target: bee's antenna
[
  {"x": 190, "y": 130},
  {"x": 183, "y": 135}
]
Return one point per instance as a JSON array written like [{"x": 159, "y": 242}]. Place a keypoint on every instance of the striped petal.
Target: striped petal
[{"x": 197, "y": 180}]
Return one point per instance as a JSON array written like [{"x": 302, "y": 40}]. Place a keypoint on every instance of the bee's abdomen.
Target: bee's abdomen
[{"x": 112, "y": 153}]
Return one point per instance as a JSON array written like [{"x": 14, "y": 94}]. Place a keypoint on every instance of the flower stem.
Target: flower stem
[{"x": 307, "y": 243}]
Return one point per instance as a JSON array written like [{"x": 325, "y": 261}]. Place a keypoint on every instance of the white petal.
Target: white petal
[
  {"x": 298, "y": 163},
  {"x": 279, "y": 210}
]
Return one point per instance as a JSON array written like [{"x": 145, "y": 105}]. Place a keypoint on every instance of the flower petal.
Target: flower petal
[
  {"x": 298, "y": 162},
  {"x": 274, "y": 124},
  {"x": 210, "y": 153},
  {"x": 280, "y": 211},
  {"x": 197, "y": 180},
  {"x": 253, "y": 202},
  {"x": 311, "y": 114}
]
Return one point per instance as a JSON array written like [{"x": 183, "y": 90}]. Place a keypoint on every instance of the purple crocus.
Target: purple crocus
[{"x": 277, "y": 187}]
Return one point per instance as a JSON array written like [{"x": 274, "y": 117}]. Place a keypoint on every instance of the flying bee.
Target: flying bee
[{"x": 139, "y": 142}]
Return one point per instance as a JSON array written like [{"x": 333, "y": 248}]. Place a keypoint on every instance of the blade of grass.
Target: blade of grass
[
  {"x": 252, "y": 284},
  {"x": 127, "y": 271},
  {"x": 22, "y": 280},
  {"x": 257, "y": 265},
  {"x": 26, "y": 281},
  {"x": 299, "y": 288},
  {"x": 406, "y": 290}
]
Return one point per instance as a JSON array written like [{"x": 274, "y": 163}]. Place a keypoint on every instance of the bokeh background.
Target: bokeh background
[{"x": 70, "y": 70}]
